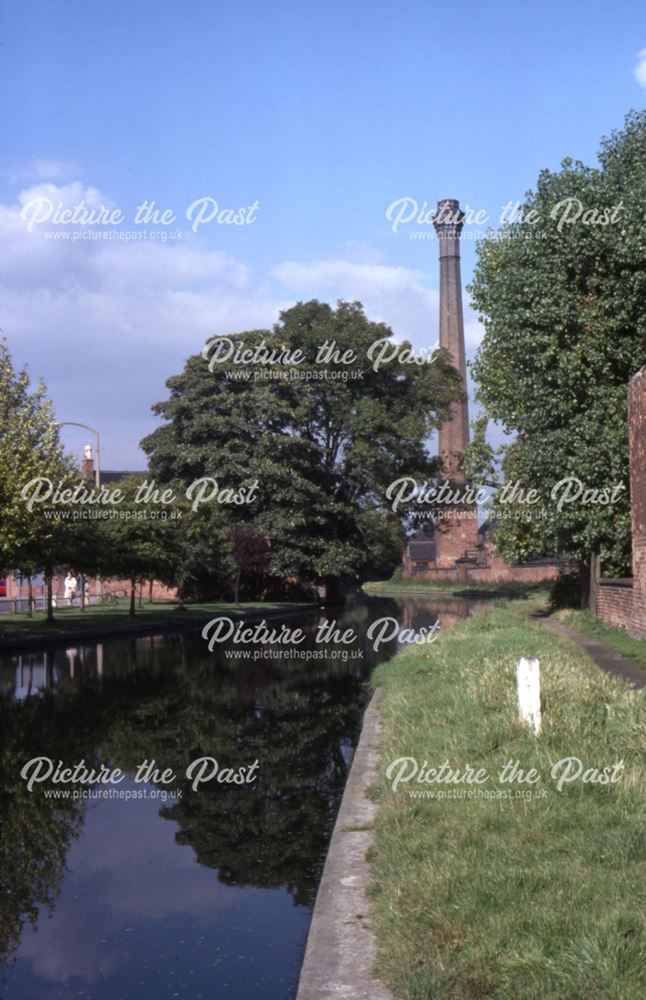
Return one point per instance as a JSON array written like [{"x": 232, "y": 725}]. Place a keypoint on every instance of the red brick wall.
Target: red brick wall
[
  {"x": 626, "y": 605},
  {"x": 615, "y": 603},
  {"x": 457, "y": 532},
  {"x": 122, "y": 589},
  {"x": 637, "y": 433},
  {"x": 502, "y": 572},
  {"x": 496, "y": 571},
  {"x": 119, "y": 587}
]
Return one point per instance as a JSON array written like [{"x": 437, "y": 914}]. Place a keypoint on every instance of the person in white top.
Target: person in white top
[{"x": 70, "y": 587}]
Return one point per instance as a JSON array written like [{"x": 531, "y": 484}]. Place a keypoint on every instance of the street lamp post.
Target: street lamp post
[
  {"x": 97, "y": 482},
  {"x": 97, "y": 469}
]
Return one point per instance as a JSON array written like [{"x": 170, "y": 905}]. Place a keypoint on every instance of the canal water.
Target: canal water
[{"x": 168, "y": 889}]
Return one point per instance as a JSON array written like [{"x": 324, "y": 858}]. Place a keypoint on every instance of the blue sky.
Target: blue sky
[{"x": 322, "y": 113}]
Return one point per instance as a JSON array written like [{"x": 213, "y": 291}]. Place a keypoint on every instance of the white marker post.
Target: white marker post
[{"x": 528, "y": 678}]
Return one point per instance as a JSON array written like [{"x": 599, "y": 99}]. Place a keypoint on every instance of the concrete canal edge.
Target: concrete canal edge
[{"x": 340, "y": 950}]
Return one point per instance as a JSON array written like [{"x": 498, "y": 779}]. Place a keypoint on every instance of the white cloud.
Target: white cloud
[
  {"x": 106, "y": 322},
  {"x": 393, "y": 295},
  {"x": 130, "y": 893},
  {"x": 640, "y": 69},
  {"x": 398, "y": 296}
]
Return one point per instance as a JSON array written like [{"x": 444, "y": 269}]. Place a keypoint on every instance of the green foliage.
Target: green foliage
[
  {"x": 29, "y": 448},
  {"x": 167, "y": 542},
  {"x": 566, "y": 591},
  {"x": 565, "y": 330},
  {"x": 323, "y": 450}
]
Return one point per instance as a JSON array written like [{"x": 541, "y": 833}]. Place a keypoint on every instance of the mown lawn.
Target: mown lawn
[
  {"x": 110, "y": 616},
  {"x": 510, "y": 898},
  {"x": 422, "y": 587}
]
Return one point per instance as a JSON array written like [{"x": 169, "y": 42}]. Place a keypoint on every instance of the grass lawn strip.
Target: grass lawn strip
[
  {"x": 512, "y": 899},
  {"x": 14, "y": 626}
]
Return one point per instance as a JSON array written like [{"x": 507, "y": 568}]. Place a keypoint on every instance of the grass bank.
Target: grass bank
[
  {"x": 419, "y": 588},
  {"x": 616, "y": 638},
  {"x": 111, "y": 617},
  {"x": 506, "y": 897}
]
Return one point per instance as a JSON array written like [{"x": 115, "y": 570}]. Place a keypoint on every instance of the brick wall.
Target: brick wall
[
  {"x": 623, "y": 602},
  {"x": 615, "y": 602},
  {"x": 457, "y": 532},
  {"x": 501, "y": 572},
  {"x": 496, "y": 570},
  {"x": 637, "y": 433},
  {"x": 121, "y": 588}
]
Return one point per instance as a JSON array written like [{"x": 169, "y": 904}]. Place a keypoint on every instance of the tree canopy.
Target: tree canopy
[
  {"x": 29, "y": 448},
  {"x": 561, "y": 295},
  {"x": 322, "y": 437}
]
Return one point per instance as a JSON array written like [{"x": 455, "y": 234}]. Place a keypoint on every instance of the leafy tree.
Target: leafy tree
[
  {"x": 561, "y": 295},
  {"x": 134, "y": 544},
  {"x": 322, "y": 438},
  {"x": 383, "y": 538},
  {"x": 31, "y": 538},
  {"x": 146, "y": 539},
  {"x": 202, "y": 563},
  {"x": 29, "y": 447}
]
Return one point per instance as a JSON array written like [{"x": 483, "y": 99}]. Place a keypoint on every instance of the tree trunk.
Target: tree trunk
[
  {"x": 150, "y": 591},
  {"x": 82, "y": 592},
  {"x": 141, "y": 594},
  {"x": 50, "y": 595},
  {"x": 236, "y": 589},
  {"x": 30, "y": 597},
  {"x": 133, "y": 595}
]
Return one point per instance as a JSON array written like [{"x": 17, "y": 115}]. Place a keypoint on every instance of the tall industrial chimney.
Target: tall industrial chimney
[{"x": 454, "y": 435}]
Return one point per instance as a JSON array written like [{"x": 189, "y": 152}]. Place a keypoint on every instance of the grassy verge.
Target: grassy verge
[
  {"x": 504, "y": 897},
  {"x": 616, "y": 638},
  {"x": 421, "y": 587},
  {"x": 115, "y": 616}
]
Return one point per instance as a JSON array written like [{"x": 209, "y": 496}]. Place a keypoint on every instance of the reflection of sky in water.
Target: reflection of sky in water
[{"x": 153, "y": 924}]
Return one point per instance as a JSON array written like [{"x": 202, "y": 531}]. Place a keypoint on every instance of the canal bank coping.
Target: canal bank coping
[{"x": 340, "y": 951}]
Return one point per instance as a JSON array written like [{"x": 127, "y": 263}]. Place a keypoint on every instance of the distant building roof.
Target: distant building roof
[{"x": 114, "y": 476}]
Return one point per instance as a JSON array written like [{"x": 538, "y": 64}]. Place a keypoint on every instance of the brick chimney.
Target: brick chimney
[
  {"x": 458, "y": 536},
  {"x": 87, "y": 465},
  {"x": 454, "y": 435}
]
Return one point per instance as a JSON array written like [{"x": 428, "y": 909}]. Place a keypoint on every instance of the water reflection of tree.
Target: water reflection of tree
[
  {"x": 171, "y": 700},
  {"x": 69, "y": 724},
  {"x": 35, "y": 832},
  {"x": 299, "y": 725},
  {"x": 298, "y": 718}
]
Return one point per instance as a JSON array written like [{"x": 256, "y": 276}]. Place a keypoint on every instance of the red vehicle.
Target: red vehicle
[{"x": 3, "y": 586}]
